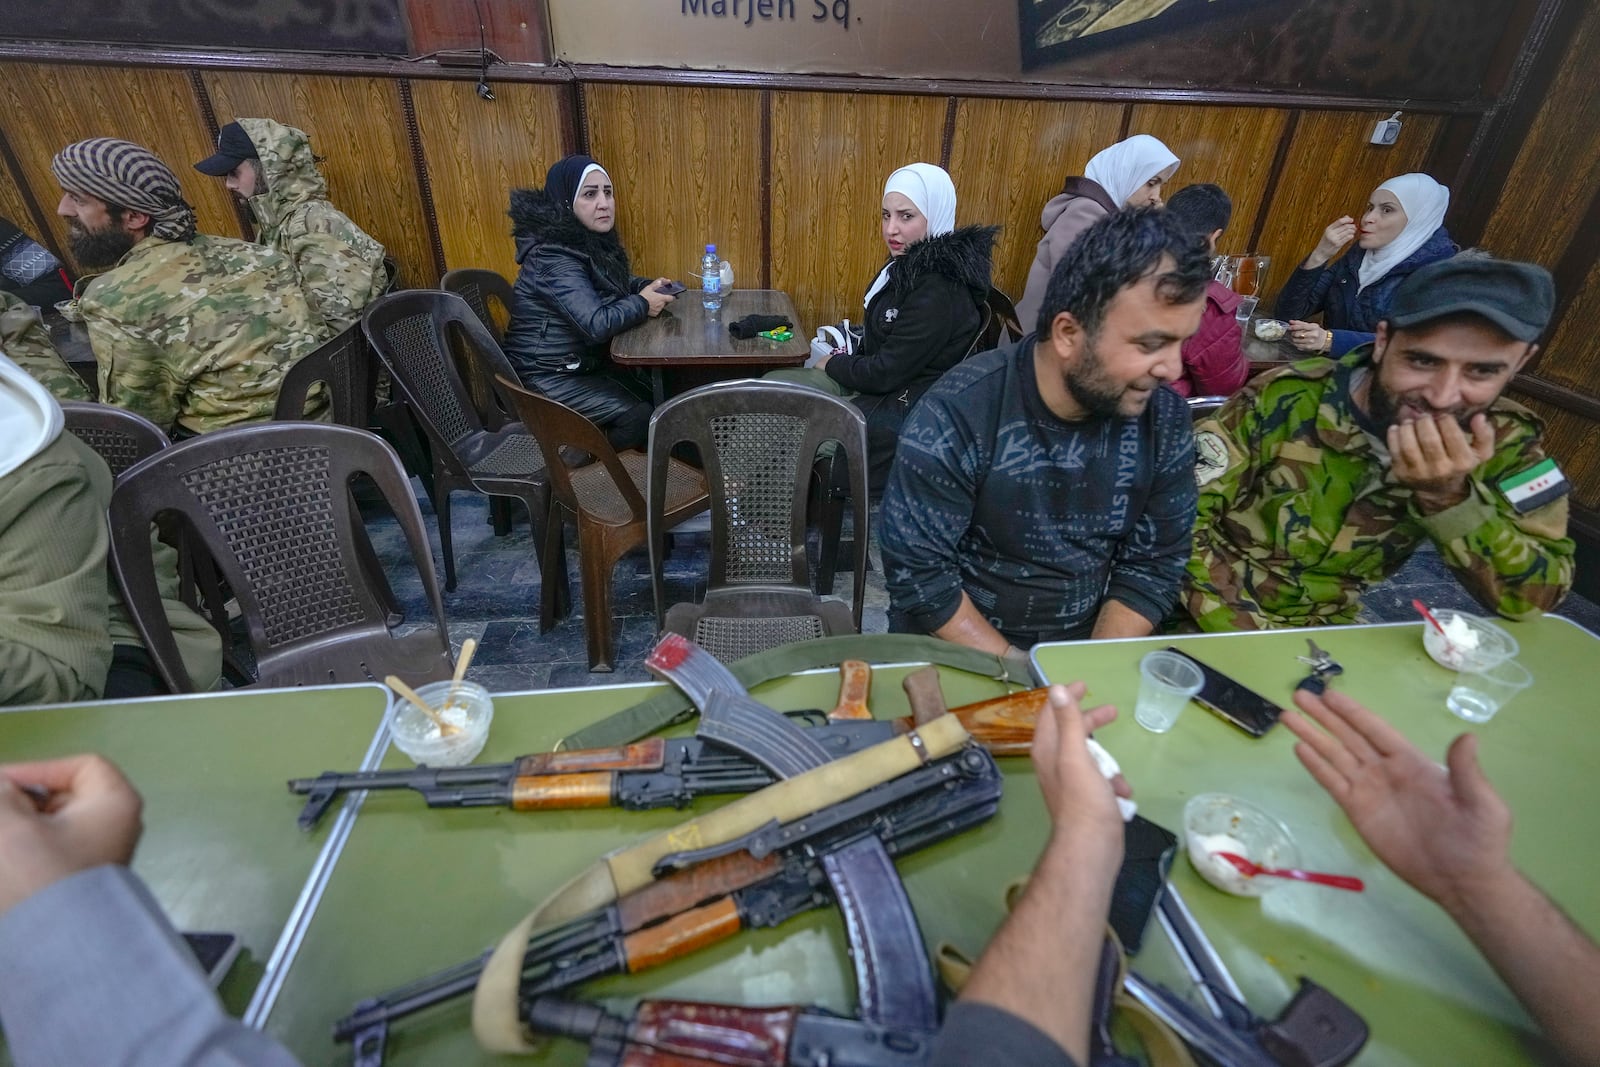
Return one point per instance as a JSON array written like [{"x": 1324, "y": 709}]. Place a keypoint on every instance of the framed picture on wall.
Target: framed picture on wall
[{"x": 1053, "y": 30}]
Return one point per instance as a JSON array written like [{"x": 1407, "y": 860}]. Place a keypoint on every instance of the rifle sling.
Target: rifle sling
[
  {"x": 670, "y": 706},
  {"x": 495, "y": 1016}
]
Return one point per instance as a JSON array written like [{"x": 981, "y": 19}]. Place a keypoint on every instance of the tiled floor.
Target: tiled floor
[{"x": 497, "y": 599}]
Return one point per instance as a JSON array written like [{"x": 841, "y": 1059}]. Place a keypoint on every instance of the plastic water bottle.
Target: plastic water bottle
[{"x": 711, "y": 280}]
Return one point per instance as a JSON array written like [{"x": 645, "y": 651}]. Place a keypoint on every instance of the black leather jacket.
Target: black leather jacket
[{"x": 573, "y": 292}]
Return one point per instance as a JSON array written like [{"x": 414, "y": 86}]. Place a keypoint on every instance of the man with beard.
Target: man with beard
[
  {"x": 191, "y": 331},
  {"x": 1045, "y": 490},
  {"x": 1322, "y": 478}
]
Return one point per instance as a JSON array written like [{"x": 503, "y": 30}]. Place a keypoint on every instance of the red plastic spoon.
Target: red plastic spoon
[
  {"x": 1426, "y": 614},
  {"x": 1251, "y": 870}
]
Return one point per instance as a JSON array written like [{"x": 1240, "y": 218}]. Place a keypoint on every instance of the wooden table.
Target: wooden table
[
  {"x": 686, "y": 335},
  {"x": 217, "y": 851}
]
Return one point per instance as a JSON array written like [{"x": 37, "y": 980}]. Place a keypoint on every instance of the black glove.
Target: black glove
[{"x": 750, "y": 325}]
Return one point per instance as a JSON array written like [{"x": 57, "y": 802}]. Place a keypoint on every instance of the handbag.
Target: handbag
[{"x": 831, "y": 341}]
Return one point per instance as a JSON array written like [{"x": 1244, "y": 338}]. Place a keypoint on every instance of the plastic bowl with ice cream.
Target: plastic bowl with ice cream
[
  {"x": 1467, "y": 641},
  {"x": 1271, "y": 329},
  {"x": 469, "y": 708},
  {"x": 1217, "y": 822}
]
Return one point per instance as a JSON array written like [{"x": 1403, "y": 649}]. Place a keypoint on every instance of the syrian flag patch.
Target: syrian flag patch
[{"x": 1535, "y": 487}]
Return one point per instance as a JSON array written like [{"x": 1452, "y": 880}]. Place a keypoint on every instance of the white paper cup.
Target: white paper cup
[
  {"x": 1167, "y": 681},
  {"x": 1479, "y": 692}
]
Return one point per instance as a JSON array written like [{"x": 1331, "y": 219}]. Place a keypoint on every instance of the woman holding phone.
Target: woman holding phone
[
  {"x": 923, "y": 310},
  {"x": 574, "y": 293},
  {"x": 1401, "y": 230}
]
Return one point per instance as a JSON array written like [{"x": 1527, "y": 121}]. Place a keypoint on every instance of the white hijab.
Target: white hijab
[
  {"x": 590, "y": 169},
  {"x": 30, "y": 418},
  {"x": 933, "y": 193},
  {"x": 1126, "y": 165},
  {"x": 1424, "y": 201}
]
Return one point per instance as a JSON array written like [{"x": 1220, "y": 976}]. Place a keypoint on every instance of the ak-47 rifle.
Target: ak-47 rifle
[
  {"x": 672, "y": 772},
  {"x": 706, "y": 895},
  {"x": 683, "y": 1033}
]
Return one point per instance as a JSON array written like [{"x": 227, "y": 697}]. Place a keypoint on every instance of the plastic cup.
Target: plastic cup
[
  {"x": 1481, "y": 691},
  {"x": 470, "y": 708},
  {"x": 1246, "y": 308},
  {"x": 1167, "y": 681}
]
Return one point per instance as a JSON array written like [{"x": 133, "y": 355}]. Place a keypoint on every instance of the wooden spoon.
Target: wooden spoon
[{"x": 446, "y": 729}]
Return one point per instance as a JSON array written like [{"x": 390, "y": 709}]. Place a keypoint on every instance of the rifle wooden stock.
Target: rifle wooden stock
[
  {"x": 681, "y": 935},
  {"x": 925, "y": 695},
  {"x": 562, "y": 792},
  {"x": 684, "y": 889},
  {"x": 1003, "y": 725},
  {"x": 648, "y": 755},
  {"x": 855, "y": 683}
]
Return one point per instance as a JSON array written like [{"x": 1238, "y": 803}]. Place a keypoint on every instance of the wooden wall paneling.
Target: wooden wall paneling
[
  {"x": 1229, "y": 146},
  {"x": 830, "y": 155},
  {"x": 356, "y": 126},
  {"x": 1571, "y": 356},
  {"x": 686, "y": 164},
  {"x": 1330, "y": 170},
  {"x": 155, "y": 108},
  {"x": 477, "y": 152},
  {"x": 514, "y": 30},
  {"x": 1009, "y": 157},
  {"x": 1557, "y": 171}
]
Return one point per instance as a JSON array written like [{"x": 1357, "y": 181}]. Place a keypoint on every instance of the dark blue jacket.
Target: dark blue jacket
[{"x": 1332, "y": 289}]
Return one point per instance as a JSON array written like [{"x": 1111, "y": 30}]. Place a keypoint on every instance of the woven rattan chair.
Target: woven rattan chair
[
  {"x": 271, "y": 504},
  {"x": 119, "y": 437},
  {"x": 412, "y": 333},
  {"x": 758, "y": 442},
  {"x": 344, "y": 365},
  {"x": 605, "y": 498}
]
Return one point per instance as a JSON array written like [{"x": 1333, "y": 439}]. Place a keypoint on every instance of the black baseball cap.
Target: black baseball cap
[
  {"x": 1517, "y": 297},
  {"x": 233, "y": 147}
]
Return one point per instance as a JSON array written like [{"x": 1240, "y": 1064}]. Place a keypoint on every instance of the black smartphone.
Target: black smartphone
[
  {"x": 1245, "y": 708},
  {"x": 671, "y": 288},
  {"x": 1146, "y": 858},
  {"x": 215, "y": 952}
]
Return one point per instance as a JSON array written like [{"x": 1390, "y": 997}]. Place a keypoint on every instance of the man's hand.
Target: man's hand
[
  {"x": 60, "y": 817},
  {"x": 654, "y": 297},
  {"x": 1446, "y": 832},
  {"x": 1082, "y": 804},
  {"x": 1434, "y": 457}
]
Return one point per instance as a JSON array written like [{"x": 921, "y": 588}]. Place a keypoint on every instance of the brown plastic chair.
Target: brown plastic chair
[
  {"x": 605, "y": 499},
  {"x": 271, "y": 504},
  {"x": 344, "y": 364},
  {"x": 1005, "y": 327},
  {"x": 478, "y": 287},
  {"x": 119, "y": 437},
  {"x": 758, "y": 442},
  {"x": 412, "y": 333}
]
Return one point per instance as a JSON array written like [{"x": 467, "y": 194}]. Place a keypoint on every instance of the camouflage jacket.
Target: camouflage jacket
[
  {"x": 1299, "y": 513},
  {"x": 339, "y": 265},
  {"x": 24, "y": 338},
  {"x": 197, "y": 335}
]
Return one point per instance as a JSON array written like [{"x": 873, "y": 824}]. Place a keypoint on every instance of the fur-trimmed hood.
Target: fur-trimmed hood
[
  {"x": 964, "y": 255},
  {"x": 539, "y": 219}
]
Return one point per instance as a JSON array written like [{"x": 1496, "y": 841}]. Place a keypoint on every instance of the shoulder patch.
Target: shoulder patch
[
  {"x": 1210, "y": 457},
  {"x": 1534, "y": 487}
]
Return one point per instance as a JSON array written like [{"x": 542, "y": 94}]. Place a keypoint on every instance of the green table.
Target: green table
[
  {"x": 417, "y": 890},
  {"x": 217, "y": 852},
  {"x": 1423, "y": 989}
]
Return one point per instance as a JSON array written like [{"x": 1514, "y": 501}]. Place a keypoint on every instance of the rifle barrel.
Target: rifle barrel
[{"x": 418, "y": 778}]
